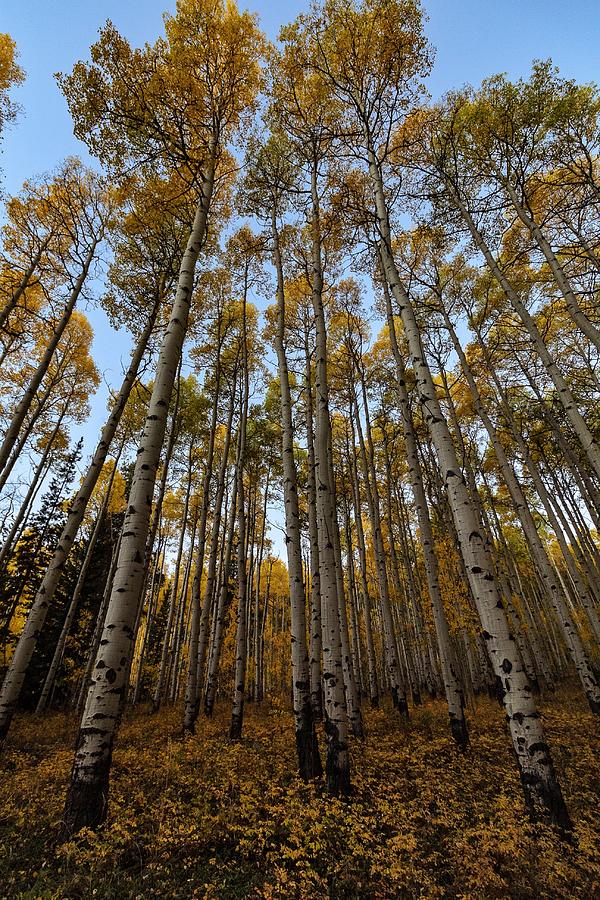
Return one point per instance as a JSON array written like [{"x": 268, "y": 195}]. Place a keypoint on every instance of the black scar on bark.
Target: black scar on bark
[{"x": 500, "y": 692}]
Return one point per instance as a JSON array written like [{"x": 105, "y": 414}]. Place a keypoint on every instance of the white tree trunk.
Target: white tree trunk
[
  {"x": 87, "y": 797},
  {"x": 543, "y": 796}
]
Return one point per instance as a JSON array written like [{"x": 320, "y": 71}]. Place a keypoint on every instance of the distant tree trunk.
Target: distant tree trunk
[
  {"x": 192, "y": 688},
  {"x": 362, "y": 557},
  {"x": 168, "y": 647},
  {"x": 223, "y": 601},
  {"x": 389, "y": 638},
  {"x": 452, "y": 685},
  {"x": 193, "y": 702},
  {"x": 352, "y": 697}
]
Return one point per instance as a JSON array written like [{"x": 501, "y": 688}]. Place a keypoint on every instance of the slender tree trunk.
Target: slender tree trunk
[
  {"x": 564, "y": 285},
  {"x": 72, "y": 609},
  {"x": 168, "y": 647},
  {"x": 192, "y": 693},
  {"x": 362, "y": 557},
  {"x": 452, "y": 685},
  {"x": 316, "y": 687},
  {"x": 239, "y": 676},
  {"x": 193, "y": 702},
  {"x": 13, "y": 682},
  {"x": 542, "y": 792},
  {"x": 309, "y": 761},
  {"x": 10, "y": 542},
  {"x": 18, "y": 417},
  {"x": 564, "y": 394},
  {"x": 336, "y": 718},
  {"x": 24, "y": 283},
  {"x": 389, "y": 637},
  {"x": 223, "y": 601},
  {"x": 87, "y": 797},
  {"x": 553, "y": 591}
]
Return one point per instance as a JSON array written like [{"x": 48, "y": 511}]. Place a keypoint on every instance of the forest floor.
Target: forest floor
[{"x": 203, "y": 817}]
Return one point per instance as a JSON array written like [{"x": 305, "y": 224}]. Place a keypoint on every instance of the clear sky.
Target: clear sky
[{"x": 473, "y": 39}]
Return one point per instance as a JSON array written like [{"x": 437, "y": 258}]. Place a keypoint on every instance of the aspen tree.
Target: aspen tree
[
  {"x": 214, "y": 78},
  {"x": 299, "y": 110},
  {"x": 268, "y": 185}
]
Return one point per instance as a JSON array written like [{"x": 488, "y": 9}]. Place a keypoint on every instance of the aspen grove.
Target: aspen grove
[{"x": 339, "y": 532}]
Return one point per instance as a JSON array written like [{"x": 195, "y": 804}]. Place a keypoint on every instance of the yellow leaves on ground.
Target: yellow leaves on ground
[{"x": 207, "y": 818}]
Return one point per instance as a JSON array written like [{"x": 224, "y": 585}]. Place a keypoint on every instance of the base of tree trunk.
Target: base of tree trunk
[
  {"x": 594, "y": 706},
  {"x": 189, "y": 726},
  {"x": 237, "y": 722},
  {"x": 86, "y": 805},
  {"x": 357, "y": 728},
  {"x": 338, "y": 763},
  {"x": 400, "y": 703},
  {"x": 545, "y": 802},
  {"x": 307, "y": 747},
  {"x": 374, "y": 702},
  {"x": 460, "y": 732},
  {"x": 5, "y": 728}
]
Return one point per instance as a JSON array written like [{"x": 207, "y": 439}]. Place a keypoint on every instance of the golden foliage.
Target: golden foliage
[{"x": 206, "y": 818}]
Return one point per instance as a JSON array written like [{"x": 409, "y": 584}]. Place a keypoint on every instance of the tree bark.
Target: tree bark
[{"x": 87, "y": 797}]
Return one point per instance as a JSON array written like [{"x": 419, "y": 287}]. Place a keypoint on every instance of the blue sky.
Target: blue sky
[{"x": 473, "y": 39}]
